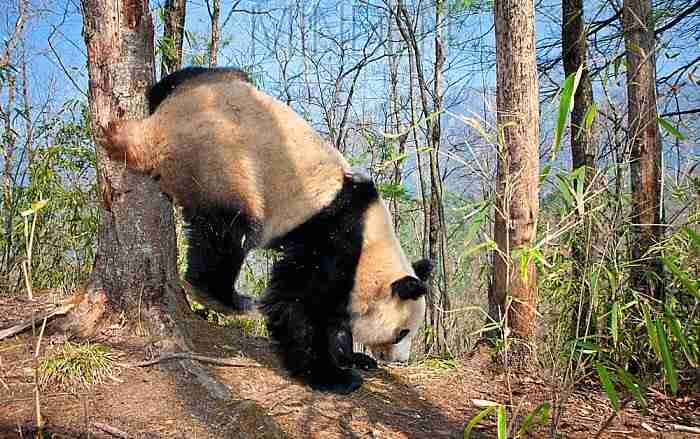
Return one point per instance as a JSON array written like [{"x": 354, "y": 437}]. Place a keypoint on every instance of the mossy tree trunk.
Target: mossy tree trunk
[
  {"x": 134, "y": 273},
  {"x": 513, "y": 292}
]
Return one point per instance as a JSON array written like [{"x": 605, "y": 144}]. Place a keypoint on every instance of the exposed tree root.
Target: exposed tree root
[
  {"x": 111, "y": 430},
  {"x": 189, "y": 356},
  {"x": 87, "y": 313},
  {"x": 20, "y": 327}
]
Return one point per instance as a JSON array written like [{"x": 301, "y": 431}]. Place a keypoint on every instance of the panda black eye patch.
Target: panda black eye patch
[{"x": 408, "y": 287}]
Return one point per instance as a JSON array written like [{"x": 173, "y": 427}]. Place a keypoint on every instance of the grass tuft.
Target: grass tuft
[
  {"x": 76, "y": 365},
  {"x": 249, "y": 327}
]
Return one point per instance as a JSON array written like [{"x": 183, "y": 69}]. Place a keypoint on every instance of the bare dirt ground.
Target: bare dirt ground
[{"x": 423, "y": 400}]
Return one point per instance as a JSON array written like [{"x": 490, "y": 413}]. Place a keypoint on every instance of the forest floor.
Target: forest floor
[{"x": 429, "y": 399}]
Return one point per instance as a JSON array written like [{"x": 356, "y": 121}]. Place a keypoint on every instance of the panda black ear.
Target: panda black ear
[
  {"x": 408, "y": 287},
  {"x": 423, "y": 269}
]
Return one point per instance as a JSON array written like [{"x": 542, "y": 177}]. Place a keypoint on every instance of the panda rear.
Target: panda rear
[{"x": 249, "y": 173}]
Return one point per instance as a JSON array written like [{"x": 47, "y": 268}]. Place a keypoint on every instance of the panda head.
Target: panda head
[
  {"x": 400, "y": 348},
  {"x": 388, "y": 300}
]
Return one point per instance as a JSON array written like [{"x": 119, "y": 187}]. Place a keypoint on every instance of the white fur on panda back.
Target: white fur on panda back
[{"x": 237, "y": 143}]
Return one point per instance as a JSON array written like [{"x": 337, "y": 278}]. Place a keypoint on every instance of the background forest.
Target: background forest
[{"x": 604, "y": 282}]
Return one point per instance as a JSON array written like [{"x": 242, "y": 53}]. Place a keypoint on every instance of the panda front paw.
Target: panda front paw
[
  {"x": 363, "y": 361},
  {"x": 340, "y": 381}
]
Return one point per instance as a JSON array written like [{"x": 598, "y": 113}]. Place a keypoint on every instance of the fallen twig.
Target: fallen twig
[
  {"x": 14, "y": 330},
  {"x": 189, "y": 356},
  {"x": 111, "y": 430},
  {"x": 686, "y": 428},
  {"x": 615, "y": 413}
]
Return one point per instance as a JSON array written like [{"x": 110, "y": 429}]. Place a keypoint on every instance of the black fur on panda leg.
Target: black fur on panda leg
[
  {"x": 333, "y": 371},
  {"x": 340, "y": 346},
  {"x": 307, "y": 299},
  {"x": 318, "y": 353},
  {"x": 215, "y": 255}
]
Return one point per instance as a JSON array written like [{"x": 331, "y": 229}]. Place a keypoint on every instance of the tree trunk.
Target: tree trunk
[
  {"x": 645, "y": 166},
  {"x": 8, "y": 140},
  {"x": 437, "y": 303},
  {"x": 583, "y": 151},
  {"x": 437, "y": 215},
  {"x": 136, "y": 252},
  {"x": 575, "y": 49},
  {"x": 513, "y": 293},
  {"x": 214, "y": 14},
  {"x": 394, "y": 117},
  {"x": 173, "y": 32}
]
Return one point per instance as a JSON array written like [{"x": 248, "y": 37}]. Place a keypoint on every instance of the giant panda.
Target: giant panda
[{"x": 249, "y": 173}]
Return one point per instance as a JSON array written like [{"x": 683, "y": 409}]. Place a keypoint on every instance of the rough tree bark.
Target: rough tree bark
[
  {"x": 513, "y": 296},
  {"x": 134, "y": 267},
  {"x": 173, "y": 32},
  {"x": 583, "y": 149},
  {"x": 134, "y": 275},
  {"x": 644, "y": 135}
]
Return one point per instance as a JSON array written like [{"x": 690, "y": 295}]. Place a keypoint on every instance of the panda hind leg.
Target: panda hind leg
[{"x": 215, "y": 255}]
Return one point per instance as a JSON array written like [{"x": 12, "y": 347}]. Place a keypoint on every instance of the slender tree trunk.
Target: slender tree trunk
[
  {"x": 513, "y": 293},
  {"x": 416, "y": 140},
  {"x": 173, "y": 32},
  {"x": 214, "y": 14},
  {"x": 575, "y": 50},
  {"x": 8, "y": 144},
  {"x": 583, "y": 149},
  {"x": 437, "y": 214},
  {"x": 393, "y": 59},
  {"x": 135, "y": 259},
  {"x": 8, "y": 141},
  {"x": 645, "y": 164},
  {"x": 435, "y": 218}
]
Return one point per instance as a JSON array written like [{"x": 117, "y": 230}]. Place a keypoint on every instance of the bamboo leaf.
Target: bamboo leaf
[
  {"x": 565, "y": 190},
  {"x": 651, "y": 330},
  {"x": 677, "y": 331},
  {"x": 541, "y": 410},
  {"x": 632, "y": 386},
  {"x": 489, "y": 245},
  {"x": 476, "y": 419},
  {"x": 475, "y": 224},
  {"x": 588, "y": 119},
  {"x": 614, "y": 330},
  {"x": 682, "y": 277},
  {"x": 566, "y": 104},
  {"x": 608, "y": 385},
  {"x": 671, "y": 129},
  {"x": 694, "y": 237},
  {"x": 545, "y": 172},
  {"x": 501, "y": 415},
  {"x": 669, "y": 368}
]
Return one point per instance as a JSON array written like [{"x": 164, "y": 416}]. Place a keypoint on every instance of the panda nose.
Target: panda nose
[{"x": 402, "y": 335}]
